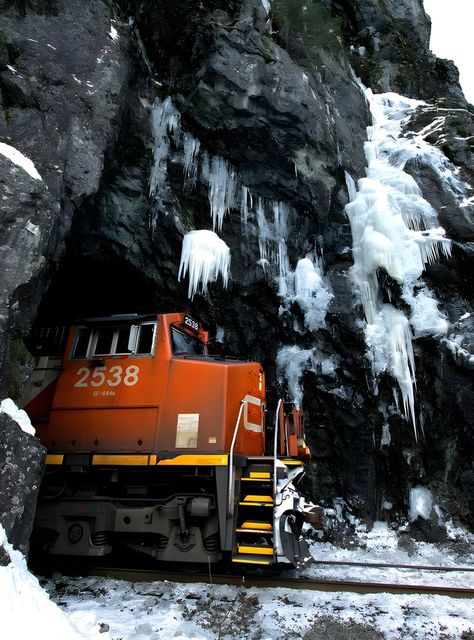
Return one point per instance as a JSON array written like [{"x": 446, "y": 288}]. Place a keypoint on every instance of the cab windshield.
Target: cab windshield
[{"x": 184, "y": 343}]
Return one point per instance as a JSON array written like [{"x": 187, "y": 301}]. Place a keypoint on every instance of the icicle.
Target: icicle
[
  {"x": 351, "y": 186},
  {"x": 205, "y": 256},
  {"x": 166, "y": 122},
  {"x": 246, "y": 205},
  {"x": 191, "y": 147},
  {"x": 264, "y": 230},
  {"x": 222, "y": 187}
]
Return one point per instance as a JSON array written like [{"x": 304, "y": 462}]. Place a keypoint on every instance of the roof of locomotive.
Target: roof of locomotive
[{"x": 120, "y": 318}]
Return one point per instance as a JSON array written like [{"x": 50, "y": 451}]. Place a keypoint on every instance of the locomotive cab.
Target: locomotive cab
[{"x": 150, "y": 440}]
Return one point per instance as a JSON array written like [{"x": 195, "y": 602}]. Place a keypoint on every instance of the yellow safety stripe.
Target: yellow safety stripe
[
  {"x": 258, "y": 499},
  {"x": 256, "y": 504},
  {"x": 259, "y": 551},
  {"x": 144, "y": 460},
  {"x": 248, "y": 524},
  {"x": 242, "y": 561},
  {"x": 121, "y": 460},
  {"x": 196, "y": 460},
  {"x": 258, "y": 474},
  {"x": 289, "y": 463}
]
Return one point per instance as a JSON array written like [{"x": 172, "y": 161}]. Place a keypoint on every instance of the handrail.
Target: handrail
[
  {"x": 275, "y": 447},
  {"x": 230, "y": 505}
]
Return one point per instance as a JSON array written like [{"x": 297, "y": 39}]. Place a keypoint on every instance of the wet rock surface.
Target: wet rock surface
[
  {"x": 289, "y": 119},
  {"x": 21, "y": 467}
]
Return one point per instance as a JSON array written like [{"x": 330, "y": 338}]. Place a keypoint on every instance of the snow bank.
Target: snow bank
[
  {"x": 20, "y": 160},
  {"x": 21, "y": 417},
  {"x": 205, "y": 256},
  {"x": 25, "y": 608}
]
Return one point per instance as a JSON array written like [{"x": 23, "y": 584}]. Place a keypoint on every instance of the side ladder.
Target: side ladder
[{"x": 253, "y": 538}]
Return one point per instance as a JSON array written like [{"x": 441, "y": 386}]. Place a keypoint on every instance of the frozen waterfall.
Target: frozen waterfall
[{"x": 394, "y": 230}]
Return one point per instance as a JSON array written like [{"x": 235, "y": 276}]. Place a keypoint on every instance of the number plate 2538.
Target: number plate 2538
[{"x": 110, "y": 377}]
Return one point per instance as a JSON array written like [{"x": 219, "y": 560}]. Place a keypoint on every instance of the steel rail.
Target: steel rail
[
  {"x": 385, "y": 565},
  {"x": 150, "y": 575}
]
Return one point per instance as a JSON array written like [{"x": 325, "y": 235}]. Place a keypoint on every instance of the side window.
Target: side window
[
  {"x": 122, "y": 340},
  {"x": 125, "y": 340},
  {"x": 145, "y": 339},
  {"x": 81, "y": 345},
  {"x": 103, "y": 345}
]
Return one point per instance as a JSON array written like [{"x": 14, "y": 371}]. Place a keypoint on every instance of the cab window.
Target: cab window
[
  {"x": 124, "y": 340},
  {"x": 81, "y": 346},
  {"x": 182, "y": 342},
  {"x": 145, "y": 338}
]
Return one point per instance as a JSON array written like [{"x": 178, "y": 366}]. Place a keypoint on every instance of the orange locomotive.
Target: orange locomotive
[{"x": 156, "y": 445}]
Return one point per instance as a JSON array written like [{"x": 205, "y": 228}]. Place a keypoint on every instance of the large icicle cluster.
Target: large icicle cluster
[
  {"x": 204, "y": 257},
  {"x": 214, "y": 171},
  {"x": 394, "y": 230}
]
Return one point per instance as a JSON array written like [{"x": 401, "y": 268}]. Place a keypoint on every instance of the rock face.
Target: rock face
[
  {"x": 273, "y": 105},
  {"x": 21, "y": 466}
]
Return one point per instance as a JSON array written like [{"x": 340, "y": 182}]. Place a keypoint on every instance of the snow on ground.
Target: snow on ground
[
  {"x": 166, "y": 610},
  {"x": 97, "y": 608},
  {"x": 25, "y": 609}
]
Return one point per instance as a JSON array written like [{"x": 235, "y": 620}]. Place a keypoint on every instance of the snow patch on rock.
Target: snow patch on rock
[
  {"x": 21, "y": 417},
  {"x": 20, "y": 160}
]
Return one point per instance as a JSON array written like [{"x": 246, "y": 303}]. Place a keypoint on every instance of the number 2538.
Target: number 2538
[{"x": 111, "y": 377}]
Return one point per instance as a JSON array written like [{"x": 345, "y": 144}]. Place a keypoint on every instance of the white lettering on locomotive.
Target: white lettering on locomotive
[{"x": 112, "y": 377}]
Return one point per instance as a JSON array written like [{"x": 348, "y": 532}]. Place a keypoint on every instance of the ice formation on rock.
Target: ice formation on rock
[
  {"x": 191, "y": 147},
  {"x": 166, "y": 121},
  {"x": 292, "y": 362},
  {"x": 395, "y": 231},
  {"x": 204, "y": 256},
  {"x": 222, "y": 190},
  {"x": 215, "y": 171},
  {"x": 421, "y": 503},
  {"x": 311, "y": 293}
]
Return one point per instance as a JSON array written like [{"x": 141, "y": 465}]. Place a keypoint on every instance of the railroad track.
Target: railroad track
[
  {"x": 151, "y": 575},
  {"x": 385, "y": 565}
]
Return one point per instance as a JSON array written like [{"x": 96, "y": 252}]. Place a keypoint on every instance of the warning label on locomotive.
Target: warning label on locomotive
[{"x": 187, "y": 430}]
